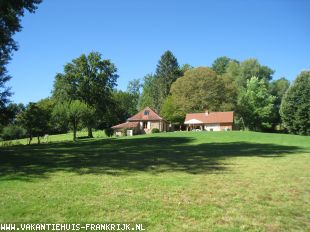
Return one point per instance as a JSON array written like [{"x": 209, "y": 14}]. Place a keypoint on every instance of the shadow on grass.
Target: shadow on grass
[{"x": 122, "y": 156}]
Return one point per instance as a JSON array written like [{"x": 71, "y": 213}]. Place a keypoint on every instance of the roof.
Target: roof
[
  {"x": 146, "y": 115},
  {"x": 126, "y": 125},
  {"x": 213, "y": 117}
]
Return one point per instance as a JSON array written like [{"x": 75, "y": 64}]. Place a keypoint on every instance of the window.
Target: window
[
  {"x": 146, "y": 112},
  {"x": 144, "y": 125}
]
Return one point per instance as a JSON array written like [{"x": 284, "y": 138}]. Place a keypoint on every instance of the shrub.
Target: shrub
[
  {"x": 155, "y": 130},
  {"x": 109, "y": 132},
  {"x": 13, "y": 132}
]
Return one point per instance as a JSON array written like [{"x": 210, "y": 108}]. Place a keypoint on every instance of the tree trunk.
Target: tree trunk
[
  {"x": 38, "y": 139},
  {"x": 30, "y": 138},
  {"x": 90, "y": 132},
  {"x": 74, "y": 132}
]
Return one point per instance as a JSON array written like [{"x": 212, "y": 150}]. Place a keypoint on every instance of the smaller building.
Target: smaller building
[
  {"x": 210, "y": 121},
  {"x": 142, "y": 123}
]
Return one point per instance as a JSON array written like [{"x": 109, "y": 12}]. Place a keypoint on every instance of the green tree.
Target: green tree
[
  {"x": 150, "y": 92},
  {"x": 255, "y": 105},
  {"x": 200, "y": 89},
  {"x": 184, "y": 68},
  {"x": 220, "y": 64},
  {"x": 125, "y": 106},
  {"x": 10, "y": 16},
  {"x": 250, "y": 68},
  {"x": 295, "y": 107},
  {"x": 278, "y": 88},
  {"x": 133, "y": 88},
  {"x": 167, "y": 72},
  {"x": 171, "y": 112},
  {"x": 74, "y": 113},
  {"x": 35, "y": 120},
  {"x": 90, "y": 80}
]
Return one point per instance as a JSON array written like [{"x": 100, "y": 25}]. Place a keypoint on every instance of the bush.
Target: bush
[
  {"x": 13, "y": 132},
  {"x": 155, "y": 130},
  {"x": 109, "y": 132}
]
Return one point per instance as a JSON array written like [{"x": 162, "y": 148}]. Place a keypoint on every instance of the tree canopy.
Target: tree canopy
[{"x": 295, "y": 107}]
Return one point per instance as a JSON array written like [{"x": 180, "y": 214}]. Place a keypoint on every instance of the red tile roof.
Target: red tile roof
[
  {"x": 146, "y": 115},
  {"x": 213, "y": 117},
  {"x": 126, "y": 125}
]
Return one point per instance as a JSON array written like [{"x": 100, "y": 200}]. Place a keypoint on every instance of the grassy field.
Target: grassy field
[
  {"x": 181, "y": 181},
  {"x": 52, "y": 138}
]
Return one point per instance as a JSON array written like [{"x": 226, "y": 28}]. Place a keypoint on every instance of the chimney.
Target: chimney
[{"x": 206, "y": 112}]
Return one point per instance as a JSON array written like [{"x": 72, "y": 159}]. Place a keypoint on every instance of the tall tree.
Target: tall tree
[
  {"x": 295, "y": 107},
  {"x": 255, "y": 104},
  {"x": 167, "y": 72},
  {"x": 250, "y": 68},
  {"x": 10, "y": 16},
  {"x": 220, "y": 64},
  {"x": 89, "y": 79},
  {"x": 200, "y": 89},
  {"x": 278, "y": 88},
  {"x": 150, "y": 92},
  {"x": 133, "y": 88}
]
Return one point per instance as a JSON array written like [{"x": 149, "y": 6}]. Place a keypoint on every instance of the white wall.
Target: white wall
[{"x": 215, "y": 127}]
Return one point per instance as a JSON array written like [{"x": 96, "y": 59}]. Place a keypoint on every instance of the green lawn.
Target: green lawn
[{"x": 181, "y": 181}]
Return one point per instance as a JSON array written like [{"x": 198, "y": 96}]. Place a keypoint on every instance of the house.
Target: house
[
  {"x": 210, "y": 121},
  {"x": 142, "y": 123}
]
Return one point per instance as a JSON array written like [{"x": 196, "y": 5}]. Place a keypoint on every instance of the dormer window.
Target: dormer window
[{"x": 146, "y": 112}]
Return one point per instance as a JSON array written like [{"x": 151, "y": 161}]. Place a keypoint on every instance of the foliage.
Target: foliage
[
  {"x": 171, "y": 112},
  {"x": 73, "y": 113},
  {"x": 155, "y": 130},
  {"x": 255, "y": 104},
  {"x": 35, "y": 119},
  {"x": 200, "y": 89},
  {"x": 295, "y": 107},
  {"x": 11, "y": 132},
  {"x": 184, "y": 68},
  {"x": 156, "y": 87},
  {"x": 220, "y": 64},
  {"x": 88, "y": 79},
  {"x": 149, "y": 96},
  {"x": 278, "y": 88},
  {"x": 109, "y": 132},
  {"x": 9, "y": 113},
  {"x": 10, "y": 14}
]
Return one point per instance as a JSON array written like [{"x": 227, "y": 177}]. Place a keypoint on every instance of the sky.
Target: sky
[{"x": 134, "y": 34}]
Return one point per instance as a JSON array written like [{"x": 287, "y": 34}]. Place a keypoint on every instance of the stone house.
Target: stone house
[{"x": 142, "y": 123}]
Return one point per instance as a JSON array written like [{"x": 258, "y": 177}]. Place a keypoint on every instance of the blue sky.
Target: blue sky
[{"x": 134, "y": 34}]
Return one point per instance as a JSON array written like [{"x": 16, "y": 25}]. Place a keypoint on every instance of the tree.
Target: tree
[
  {"x": 35, "y": 120},
  {"x": 10, "y": 14},
  {"x": 220, "y": 64},
  {"x": 125, "y": 106},
  {"x": 171, "y": 112},
  {"x": 255, "y": 104},
  {"x": 133, "y": 88},
  {"x": 150, "y": 92},
  {"x": 9, "y": 113},
  {"x": 295, "y": 107},
  {"x": 184, "y": 68},
  {"x": 200, "y": 89},
  {"x": 88, "y": 79},
  {"x": 250, "y": 68},
  {"x": 278, "y": 88},
  {"x": 74, "y": 113}
]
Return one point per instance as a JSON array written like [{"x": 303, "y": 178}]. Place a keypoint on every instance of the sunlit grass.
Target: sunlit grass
[{"x": 194, "y": 181}]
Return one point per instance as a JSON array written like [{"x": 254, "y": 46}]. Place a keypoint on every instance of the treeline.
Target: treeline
[{"x": 84, "y": 95}]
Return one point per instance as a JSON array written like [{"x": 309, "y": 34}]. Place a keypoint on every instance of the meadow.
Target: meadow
[{"x": 178, "y": 181}]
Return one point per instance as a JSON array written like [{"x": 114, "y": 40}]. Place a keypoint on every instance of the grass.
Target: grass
[
  {"x": 182, "y": 181},
  {"x": 52, "y": 138}
]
